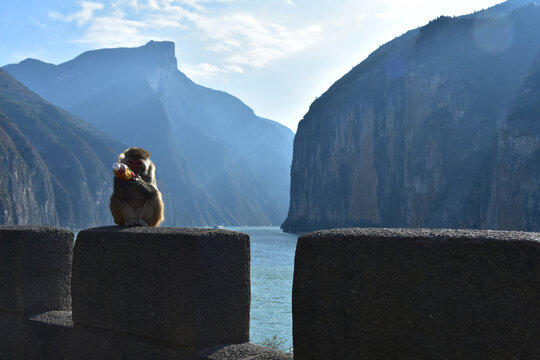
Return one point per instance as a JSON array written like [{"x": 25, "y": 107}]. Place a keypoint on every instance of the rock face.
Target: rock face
[
  {"x": 516, "y": 196},
  {"x": 27, "y": 192},
  {"x": 217, "y": 162},
  {"x": 426, "y": 131},
  {"x": 55, "y": 167}
]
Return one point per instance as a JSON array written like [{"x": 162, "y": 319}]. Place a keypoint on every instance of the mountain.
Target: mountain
[
  {"x": 56, "y": 167},
  {"x": 436, "y": 128},
  {"x": 217, "y": 162}
]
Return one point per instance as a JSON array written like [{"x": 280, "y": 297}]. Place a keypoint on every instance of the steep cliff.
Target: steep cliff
[
  {"x": 409, "y": 137},
  {"x": 55, "y": 167},
  {"x": 217, "y": 162},
  {"x": 516, "y": 192},
  {"x": 26, "y": 191}
]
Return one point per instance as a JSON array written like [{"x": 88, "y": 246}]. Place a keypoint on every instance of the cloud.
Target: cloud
[
  {"x": 114, "y": 31},
  {"x": 205, "y": 70},
  {"x": 254, "y": 42},
  {"x": 152, "y": 4},
  {"x": 229, "y": 40},
  {"x": 83, "y": 16},
  {"x": 38, "y": 23},
  {"x": 387, "y": 15},
  {"x": 196, "y": 4},
  {"x": 234, "y": 69}
]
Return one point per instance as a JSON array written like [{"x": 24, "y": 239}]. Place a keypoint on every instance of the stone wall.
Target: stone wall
[
  {"x": 417, "y": 294},
  {"x": 182, "y": 293},
  {"x": 126, "y": 293}
]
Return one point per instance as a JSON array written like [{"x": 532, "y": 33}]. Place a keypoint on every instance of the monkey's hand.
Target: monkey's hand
[{"x": 143, "y": 188}]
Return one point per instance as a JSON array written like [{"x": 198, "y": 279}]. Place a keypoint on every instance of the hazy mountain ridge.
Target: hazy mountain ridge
[
  {"x": 410, "y": 137},
  {"x": 218, "y": 163},
  {"x": 54, "y": 164}
]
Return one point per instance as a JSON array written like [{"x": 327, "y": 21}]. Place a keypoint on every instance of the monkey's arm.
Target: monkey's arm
[
  {"x": 143, "y": 188},
  {"x": 125, "y": 190},
  {"x": 118, "y": 186}
]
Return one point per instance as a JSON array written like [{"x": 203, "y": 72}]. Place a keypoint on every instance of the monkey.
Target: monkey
[{"x": 137, "y": 202}]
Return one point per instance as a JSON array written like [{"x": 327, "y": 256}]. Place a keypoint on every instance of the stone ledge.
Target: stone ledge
[
  {"x": 245, "y": 351},
  {"x": 35, "y": 269},
  {"x": 51, "y": 335},
  {"x": 189, "y": 286},
  {"x": 416, "y": 293}
]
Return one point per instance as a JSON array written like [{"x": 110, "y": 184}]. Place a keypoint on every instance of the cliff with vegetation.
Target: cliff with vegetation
[
  {"x": 516, "y": 199},
  {"x": 437, "y": 128},
  {"x": 55, "y": 168}
]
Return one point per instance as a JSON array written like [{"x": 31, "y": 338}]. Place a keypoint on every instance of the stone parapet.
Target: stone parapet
[
  {"x": 183, "y": 285},
  {"x": 138, "y": 293},
  {"x": 417, "y": 294},
  {"x": 35, "y": 269}
]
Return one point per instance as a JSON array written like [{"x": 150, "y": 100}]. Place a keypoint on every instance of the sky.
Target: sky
[{"x": 276, "y": 56}]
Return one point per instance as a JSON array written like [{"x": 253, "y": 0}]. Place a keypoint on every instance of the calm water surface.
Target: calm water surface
[{"x": 272, "y": 265}]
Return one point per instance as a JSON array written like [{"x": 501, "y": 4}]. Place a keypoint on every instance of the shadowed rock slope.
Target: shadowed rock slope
[{"x": 55, "y": 168}]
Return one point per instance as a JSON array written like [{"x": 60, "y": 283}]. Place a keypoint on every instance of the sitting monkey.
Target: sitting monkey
[{"x": 137, "y": 202}]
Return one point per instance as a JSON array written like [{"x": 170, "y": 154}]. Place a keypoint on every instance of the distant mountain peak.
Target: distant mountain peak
[
  {"x": 165, "y": 46},
  {"x": 503, "y": 8},
  {"x": 34, "y": 62},
  {"x": 164, "y": 49},
  {"x": 150, "y": 55}
]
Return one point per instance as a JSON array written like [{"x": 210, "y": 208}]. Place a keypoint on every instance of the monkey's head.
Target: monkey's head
[{"x": 136, "y": 158}]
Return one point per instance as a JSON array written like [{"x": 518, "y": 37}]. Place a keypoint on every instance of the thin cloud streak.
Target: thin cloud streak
[
  {"x": 114, "y": 32},
  {"x": 83, "y": 16},
  {"x": 249, "y": 41},
  {"x": 205, "y": 70}
]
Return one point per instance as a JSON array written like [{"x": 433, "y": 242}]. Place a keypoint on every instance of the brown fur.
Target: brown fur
[{"x": 137, "y": 202}]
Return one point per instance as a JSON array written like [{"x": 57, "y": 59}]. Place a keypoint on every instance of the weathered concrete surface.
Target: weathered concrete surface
[
  {"x": 10, "y": 333},
  {"x": 52, "y": 336},
  {"x": 416, "y": 294},
  {"x": 244, "y": 351},
  {"x": 182, "y": 285},
  {"x": 35, "y": 268}
]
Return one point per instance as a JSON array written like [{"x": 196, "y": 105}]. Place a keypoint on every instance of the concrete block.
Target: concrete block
[
  {"x": 35, "y": 269},
  {"x": 245, "y": 351},
  {"x": 182, "y": 285},
  {"x": 416, "y": 294},
  {"x": 11, "y": 331},
  {"x": 52, "y": 336}
]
